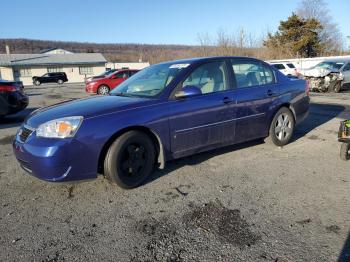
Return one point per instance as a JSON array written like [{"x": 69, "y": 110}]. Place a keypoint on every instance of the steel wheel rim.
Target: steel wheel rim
[
  {"x": 103, "y": 90},
  {"x": 133, "y": 160},
  {"x": 283, "y": 127}
]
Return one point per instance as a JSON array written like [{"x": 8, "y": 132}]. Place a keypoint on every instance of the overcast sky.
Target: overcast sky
[{"x": 148, "y": 21}]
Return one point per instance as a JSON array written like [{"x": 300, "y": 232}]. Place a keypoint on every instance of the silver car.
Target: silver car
[{"x": 329, "y": 75}]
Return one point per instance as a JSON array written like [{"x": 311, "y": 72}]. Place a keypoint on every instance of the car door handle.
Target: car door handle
[
  {"x": 269, "y": 92},
  {"x": 227, "y": 100}
]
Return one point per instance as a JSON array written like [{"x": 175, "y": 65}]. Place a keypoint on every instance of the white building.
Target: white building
[{"x": 78, "y": 66}]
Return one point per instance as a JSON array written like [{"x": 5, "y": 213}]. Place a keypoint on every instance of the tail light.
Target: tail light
[
  {"x": 307, "y": 87},
  {"x": 7, "y": 88}
]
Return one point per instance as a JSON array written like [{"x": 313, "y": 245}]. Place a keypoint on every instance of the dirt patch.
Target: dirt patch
[
  {"x": 53, "y": 96},
  {"x": 333, "y": 229},
  {"x": 165, "y": 242},
  {"x": 6, "y": 140},
  {"x": 313, "y": 137},
  {"x": 226, "y": 224},
  {"x": 197, "y": 233}
]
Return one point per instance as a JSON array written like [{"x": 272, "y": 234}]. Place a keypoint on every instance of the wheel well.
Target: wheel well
[
  {"x": 287, "y": 105},
  {"x": 156, "y": 141}
]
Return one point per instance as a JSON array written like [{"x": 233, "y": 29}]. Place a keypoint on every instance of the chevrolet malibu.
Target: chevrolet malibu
[{"x": 166, "y": 111}]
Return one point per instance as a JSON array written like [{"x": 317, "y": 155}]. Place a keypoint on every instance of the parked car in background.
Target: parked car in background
[
  {"x": 104, "y": 74},
  {"x": 286, "y": 68},
  {"x": 166, "y": 111},
  {"x": 58, "y": 77},
  {"x": 330, "y": 75},
  {"x": 104, "y": 85},
  {"x": 12, "y": 97}
]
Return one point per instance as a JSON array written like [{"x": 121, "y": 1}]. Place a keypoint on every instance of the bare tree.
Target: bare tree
[
  {"x": 330, "y": 35},
  {"x": 205, "y": 44}
]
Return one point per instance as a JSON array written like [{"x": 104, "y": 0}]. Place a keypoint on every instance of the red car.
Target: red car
[{"x": 104, "y": 85}]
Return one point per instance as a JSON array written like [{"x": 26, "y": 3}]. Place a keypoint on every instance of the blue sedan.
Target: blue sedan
[{"x": 166, "y": 111}]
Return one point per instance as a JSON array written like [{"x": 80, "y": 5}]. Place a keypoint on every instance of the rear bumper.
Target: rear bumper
[{"x": 53, "y": 160}]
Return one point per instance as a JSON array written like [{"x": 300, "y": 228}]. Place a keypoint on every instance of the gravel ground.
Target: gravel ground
[{"x": 249, "y": 202}]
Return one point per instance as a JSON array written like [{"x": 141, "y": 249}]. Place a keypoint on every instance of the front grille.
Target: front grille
[{"x": 24, "y": 133}]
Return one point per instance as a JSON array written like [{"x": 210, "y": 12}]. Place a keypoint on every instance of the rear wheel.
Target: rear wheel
[
  {"x": 345, "y": 151},
  {"x": 103, "y": 90},
  {"x": 130, "y": 159},
  {"x": 60, "y": 81},
  {"x": 282, "y": 127}
]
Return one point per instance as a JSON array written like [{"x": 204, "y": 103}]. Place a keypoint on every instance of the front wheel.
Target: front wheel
[
  {"x": 282, "y": 127},
  {"x": 345, "y": 151},
  {"x": 103, "y": 90},
  {"x": 37, "y": 82},
  {"x": 130, "y": 159}
]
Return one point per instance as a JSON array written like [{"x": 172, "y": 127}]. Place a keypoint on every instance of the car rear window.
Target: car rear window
[
  {"x": 290, "y": 65},
  {"x": 279, "y": 66}
]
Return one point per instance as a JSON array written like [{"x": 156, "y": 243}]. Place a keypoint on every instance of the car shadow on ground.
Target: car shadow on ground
[
  {"x": 319, "y": 114},
  {"x": 16, "y": 119},
  {"x": 344, "y": 255},
  {"x": 199, "y": 158}
]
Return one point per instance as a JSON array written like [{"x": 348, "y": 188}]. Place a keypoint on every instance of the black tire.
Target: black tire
[
  {"x": 285, "y": 125},
  {"x": 37, "y": 83},
  {"x": 345, "y": 151},
  {"x": 130, "y": 159},
  {"x": 103, "y": 90},
  {"x": 60, "y": 81},
  {"x": 337, "y": 87}
]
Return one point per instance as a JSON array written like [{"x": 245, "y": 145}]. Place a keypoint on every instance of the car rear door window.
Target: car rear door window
[
  {"x": 210, "y": 78},
  {"x": 252, "y": 73},
  {"x": 290, "y": 65},
  {"x": 279, "y": 66}
]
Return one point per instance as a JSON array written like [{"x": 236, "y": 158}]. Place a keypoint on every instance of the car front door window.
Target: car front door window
[{"x": 209, "y": 78}]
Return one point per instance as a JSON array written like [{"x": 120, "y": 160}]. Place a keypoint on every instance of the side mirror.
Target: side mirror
[{"x": 188, "y": 91}]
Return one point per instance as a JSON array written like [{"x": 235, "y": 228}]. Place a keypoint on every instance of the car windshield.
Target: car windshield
[
  {"x": 330, "y": 65},
  {"x": 149, "y": 82},
  {"x": 109, "y": 72}
]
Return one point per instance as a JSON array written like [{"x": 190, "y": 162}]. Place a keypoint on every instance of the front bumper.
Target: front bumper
[
  {"x": 54, "y": 160},
  {"x": 91, "y": 88}
]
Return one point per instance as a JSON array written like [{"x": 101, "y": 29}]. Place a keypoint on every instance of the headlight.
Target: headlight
[{"x": 60, "y": 128}]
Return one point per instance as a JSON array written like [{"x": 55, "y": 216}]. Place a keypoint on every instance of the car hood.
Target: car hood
[
  {"x": 316, "y": 72},
  {"x": 88, "y": 107}
]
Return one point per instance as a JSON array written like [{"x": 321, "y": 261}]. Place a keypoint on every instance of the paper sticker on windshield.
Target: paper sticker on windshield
[{"x": 179, "y": 66}]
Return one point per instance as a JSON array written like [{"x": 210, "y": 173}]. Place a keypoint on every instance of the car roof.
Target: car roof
[
  {"x": 207, "y": 59},
  {"x": 336, "y": 60}
]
